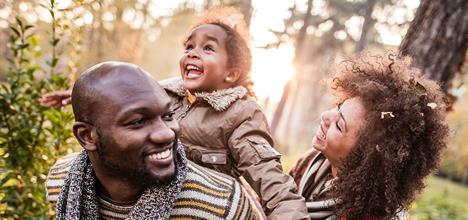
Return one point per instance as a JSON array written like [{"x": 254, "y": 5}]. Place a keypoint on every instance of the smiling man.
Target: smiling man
[{"x": 132, "y": 165}]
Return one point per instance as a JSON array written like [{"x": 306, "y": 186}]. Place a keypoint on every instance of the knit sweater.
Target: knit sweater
[{"x": 205, "y": 194}]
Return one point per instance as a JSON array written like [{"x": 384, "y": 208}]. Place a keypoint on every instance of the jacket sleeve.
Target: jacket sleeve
[{"x": 255, "y": 159}]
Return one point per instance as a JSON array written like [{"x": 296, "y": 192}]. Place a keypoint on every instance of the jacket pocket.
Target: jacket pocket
[
  {"x": 218, "y": 157},
  {"x": 264, "y": 149}
]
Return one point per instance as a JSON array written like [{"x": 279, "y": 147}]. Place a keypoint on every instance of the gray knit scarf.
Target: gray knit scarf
[
  {"x": 77, "y": 199},
  {"x": 315, "y": 184}
]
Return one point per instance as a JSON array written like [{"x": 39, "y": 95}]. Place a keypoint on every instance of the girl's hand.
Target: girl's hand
[{"x": 57, "y": 99}]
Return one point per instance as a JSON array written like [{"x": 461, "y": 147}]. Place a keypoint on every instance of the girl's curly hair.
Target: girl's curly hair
[
  {"x": 237, "y": 41},
  {"x": 402, "y": 139}
]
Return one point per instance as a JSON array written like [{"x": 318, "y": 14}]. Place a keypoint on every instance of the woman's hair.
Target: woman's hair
[
  {"x": 402, "y": 139},
  {"x": 237, "y": 46}
]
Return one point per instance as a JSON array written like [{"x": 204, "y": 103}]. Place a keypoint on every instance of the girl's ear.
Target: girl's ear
[
  {"x": 85, "y": 133},
  {"x": 232, "y": 76}
]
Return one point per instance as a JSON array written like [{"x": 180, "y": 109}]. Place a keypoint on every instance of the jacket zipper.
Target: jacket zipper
[{"x": 189, "y": 107}]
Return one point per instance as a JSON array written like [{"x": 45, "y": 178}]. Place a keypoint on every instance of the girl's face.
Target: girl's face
[
  {"x": 339, "y": 130},
  {"x": 204, "y": 63}
]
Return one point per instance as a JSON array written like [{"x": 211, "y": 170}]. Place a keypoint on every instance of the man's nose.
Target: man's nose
[{"x": 163, "y": 134}]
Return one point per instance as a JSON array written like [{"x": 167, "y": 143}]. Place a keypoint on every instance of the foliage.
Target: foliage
[
  {"x": 455, "y": 162},
  {"x": 31, "y": 136},
  {"x": 441, "y": 199}
]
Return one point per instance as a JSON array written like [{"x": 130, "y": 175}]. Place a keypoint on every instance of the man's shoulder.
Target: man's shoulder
[
  {"x": 207, "y": 193},
  {"x": 56, "y": 176}
]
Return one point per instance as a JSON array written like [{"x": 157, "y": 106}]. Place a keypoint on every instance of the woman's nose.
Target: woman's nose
[{"x": 326, "y": 117}]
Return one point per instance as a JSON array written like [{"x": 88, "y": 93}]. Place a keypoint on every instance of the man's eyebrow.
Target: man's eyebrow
[
  {"x": 136, "y": 110},
  {"x": 342, "y": 117}
]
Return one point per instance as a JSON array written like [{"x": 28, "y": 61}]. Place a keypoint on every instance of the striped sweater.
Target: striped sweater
[{"x": 205, "y": 194}]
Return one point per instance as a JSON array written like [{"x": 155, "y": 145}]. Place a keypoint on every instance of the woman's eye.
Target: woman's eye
[
  {"x": 168, "y": 116},
  {"x": 337, "y": 126}
]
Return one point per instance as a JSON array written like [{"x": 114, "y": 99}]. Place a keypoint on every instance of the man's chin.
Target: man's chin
[{"x": 163, "y": 175}]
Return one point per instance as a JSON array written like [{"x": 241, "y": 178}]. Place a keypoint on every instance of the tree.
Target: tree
[{"x": 437, "y": 39}]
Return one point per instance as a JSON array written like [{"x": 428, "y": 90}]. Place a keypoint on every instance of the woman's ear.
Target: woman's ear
[
  {"x": 233, "y": 76},
  {"x": 85, "y": 133}
]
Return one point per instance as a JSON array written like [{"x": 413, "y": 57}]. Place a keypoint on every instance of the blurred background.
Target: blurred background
[{"x": 45, "y": 44}]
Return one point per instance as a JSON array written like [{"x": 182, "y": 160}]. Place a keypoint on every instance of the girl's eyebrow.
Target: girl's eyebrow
[{"x": 212, "y": 38}]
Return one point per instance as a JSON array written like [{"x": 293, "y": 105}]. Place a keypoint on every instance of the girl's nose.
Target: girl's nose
[{"x": 193, "y": 54}]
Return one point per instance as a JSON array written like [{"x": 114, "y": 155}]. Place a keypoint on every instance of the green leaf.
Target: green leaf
[
  {"x": 54, "y": 42},
  {"x": 28, "y": 27},
  {"x": 22, "y": 46},
  {"x": 19, "y": 22},
  {"x": 11, "y": 182},
  {"x": 420, "y": 89},
  {"x": 15, "y": 30},
  {"x": 52, "y": 63}
]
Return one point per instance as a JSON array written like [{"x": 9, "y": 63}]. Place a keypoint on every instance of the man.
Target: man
[{"x": 132, "y": 166}]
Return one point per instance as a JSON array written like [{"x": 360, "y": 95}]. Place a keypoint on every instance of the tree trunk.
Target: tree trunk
[
  {"x": 368, "y": 21},
  {"x": 297, "y": 58},
  {"x": 437, "y": 39},
  {"x": 280, "y": 108},
  {"x": 301, "y": 36}
]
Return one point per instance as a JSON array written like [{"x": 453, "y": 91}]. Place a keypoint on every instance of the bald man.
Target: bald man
[{"x": 132, "y": 165}]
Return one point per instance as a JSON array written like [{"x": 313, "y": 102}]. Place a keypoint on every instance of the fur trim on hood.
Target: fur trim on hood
[{"x": 220, "y": 100}]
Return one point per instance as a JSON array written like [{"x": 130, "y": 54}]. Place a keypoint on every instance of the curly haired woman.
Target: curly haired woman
[{"x": 372, "y": 152}]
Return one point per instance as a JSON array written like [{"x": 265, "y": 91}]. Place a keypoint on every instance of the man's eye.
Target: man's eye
[
  {"x": 138, "y": 122},
  {"x": 168, "y": 116}
]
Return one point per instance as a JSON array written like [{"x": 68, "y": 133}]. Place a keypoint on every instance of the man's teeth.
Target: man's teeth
[
  {"x": 192, "y": 67},
  {"x": 162, "y": 155}
]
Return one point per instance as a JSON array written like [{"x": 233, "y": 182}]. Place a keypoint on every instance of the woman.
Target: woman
[{"x": 371, "y": 153}]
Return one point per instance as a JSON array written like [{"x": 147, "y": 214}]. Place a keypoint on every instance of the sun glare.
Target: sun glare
[{"x": 271, "y": 69}]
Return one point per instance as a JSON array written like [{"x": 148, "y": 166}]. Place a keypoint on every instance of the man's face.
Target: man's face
[{"x": 136, "y": 134}]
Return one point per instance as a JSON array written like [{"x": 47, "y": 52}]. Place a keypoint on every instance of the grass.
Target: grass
[{"x": 441, "y": 199}]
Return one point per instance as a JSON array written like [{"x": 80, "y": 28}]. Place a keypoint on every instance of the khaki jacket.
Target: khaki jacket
[{"x": 227, "y": 131}]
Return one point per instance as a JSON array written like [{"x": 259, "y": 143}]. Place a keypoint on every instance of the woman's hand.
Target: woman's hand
[{"x": 57, "y": 99}]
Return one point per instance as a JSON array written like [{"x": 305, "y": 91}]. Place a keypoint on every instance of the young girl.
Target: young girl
[{"x": 222, "y": 127}]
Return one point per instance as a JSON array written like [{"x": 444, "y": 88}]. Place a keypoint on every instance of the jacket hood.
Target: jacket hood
[{"x": 220, "y": 100}]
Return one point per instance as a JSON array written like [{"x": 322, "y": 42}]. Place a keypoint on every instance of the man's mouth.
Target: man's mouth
[
  {"x": 192, "y": 71},
  {"x": 163, "y": 158}
]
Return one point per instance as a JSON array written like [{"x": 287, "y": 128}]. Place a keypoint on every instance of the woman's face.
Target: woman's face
[{"x": 339, "y": 129}]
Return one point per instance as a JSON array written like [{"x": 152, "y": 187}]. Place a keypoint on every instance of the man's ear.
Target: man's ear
[
  {"x": 85, "y": 133},
  {"x": 233, "y": 75}
]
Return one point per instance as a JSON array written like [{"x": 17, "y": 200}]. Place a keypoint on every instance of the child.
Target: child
[{"x": 222, "y": 127}]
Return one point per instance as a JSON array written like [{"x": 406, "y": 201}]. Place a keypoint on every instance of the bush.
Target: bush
[{"x": 31, "y": 136}]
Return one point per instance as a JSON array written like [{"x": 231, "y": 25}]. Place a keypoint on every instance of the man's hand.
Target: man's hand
[{"x": 57, "y": 99}]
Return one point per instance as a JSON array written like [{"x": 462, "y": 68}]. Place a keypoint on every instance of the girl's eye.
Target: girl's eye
[
  {"x": 168, "y": 116},
  {"x": 209, "y": 48},
  {"x": 188, "y": 47}
]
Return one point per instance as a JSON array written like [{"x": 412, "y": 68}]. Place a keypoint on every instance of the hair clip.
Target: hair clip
[
  {"x": 432, "y": 105},
  {"x": 382, "y": 114},
  {"x": 377, "y": 147}
]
